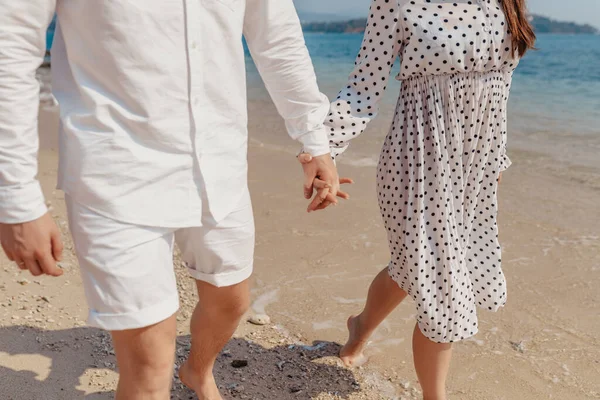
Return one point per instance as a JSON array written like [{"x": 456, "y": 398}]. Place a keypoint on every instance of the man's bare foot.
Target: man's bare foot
[
  {"x": 352, "y": 353},
  {"x": 205, "y": 388}
]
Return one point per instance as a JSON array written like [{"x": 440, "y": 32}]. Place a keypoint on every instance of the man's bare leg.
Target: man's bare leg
[
  {"x": 145, "y": 358},
  {"x": 214, "y": 321}
]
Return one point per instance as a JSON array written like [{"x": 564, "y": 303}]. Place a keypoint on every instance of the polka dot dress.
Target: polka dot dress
[{"x": 439, "y": 166}]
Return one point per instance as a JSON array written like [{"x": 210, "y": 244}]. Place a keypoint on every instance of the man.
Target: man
[{"x": 153, "y": 146}]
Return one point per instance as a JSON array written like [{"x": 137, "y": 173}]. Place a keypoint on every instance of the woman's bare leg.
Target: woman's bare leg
[
  {"x": 384, "y": 296},
  {"x": 432, "y": 362}
]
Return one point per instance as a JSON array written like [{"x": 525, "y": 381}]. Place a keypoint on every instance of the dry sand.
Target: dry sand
[{"x": 313, "y": 270}]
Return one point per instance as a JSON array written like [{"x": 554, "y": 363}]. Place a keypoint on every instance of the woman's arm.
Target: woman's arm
[{"x": 358, "y": 103}]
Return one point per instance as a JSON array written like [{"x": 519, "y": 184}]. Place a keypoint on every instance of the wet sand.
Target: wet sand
[
  {"x": 312, "y": 271},
  {"x": 543, "y": 344}
]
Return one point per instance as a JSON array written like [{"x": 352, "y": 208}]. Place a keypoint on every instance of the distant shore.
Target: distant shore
[{"x": 541, "y": 25}]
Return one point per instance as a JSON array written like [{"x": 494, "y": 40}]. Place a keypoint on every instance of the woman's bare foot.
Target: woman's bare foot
[
  {"x": 206, "y": 389},
  {"x": 352, "y": 353}
]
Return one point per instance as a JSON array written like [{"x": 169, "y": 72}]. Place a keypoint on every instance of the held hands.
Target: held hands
[
  {"x": 320, "y": 174},
  {"x": 35, "y": 246}
]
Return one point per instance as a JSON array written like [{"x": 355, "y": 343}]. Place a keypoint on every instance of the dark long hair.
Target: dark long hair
[{"x": 522, "y": 35}]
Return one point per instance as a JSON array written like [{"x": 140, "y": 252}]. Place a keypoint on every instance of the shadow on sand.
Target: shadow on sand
[{"x": 65, "y": 356}]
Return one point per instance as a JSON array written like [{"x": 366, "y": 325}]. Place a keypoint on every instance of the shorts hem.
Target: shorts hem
[
  {"x": 223, "y": 280},
  {"x": 136, "y": 319}
]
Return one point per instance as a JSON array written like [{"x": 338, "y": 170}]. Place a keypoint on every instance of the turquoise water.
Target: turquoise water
[
  {"x": 555, "y": 89},
  {"x": 50, "y": 34}
]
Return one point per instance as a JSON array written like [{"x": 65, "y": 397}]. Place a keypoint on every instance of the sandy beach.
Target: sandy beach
[{"x": 313, "y": 270}]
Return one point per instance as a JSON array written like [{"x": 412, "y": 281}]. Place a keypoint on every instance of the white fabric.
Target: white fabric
[
  {"x": 153, "y": 102},
  {"x": 439, "y": 166},
  {"x": 430, "y": 38},
  {"x": 127, "y": 270}
]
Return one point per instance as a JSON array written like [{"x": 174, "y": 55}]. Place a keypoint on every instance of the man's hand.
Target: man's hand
[
  {"x": 320, "y": 174},
  {"x": 34, "y": 245}
]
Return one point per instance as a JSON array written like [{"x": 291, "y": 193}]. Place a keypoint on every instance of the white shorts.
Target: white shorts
[{"x": 127, "y": 270}]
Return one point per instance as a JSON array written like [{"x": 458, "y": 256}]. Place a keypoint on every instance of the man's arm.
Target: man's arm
[
  {"x": 28, "y": 235},
  {"x": 22, "y": 46},
  {"x": 274, "y": 36}
]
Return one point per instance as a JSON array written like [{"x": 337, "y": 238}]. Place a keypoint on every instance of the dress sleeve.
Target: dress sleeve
[
  {"x": 505, "y": 162},
  {"x": 358, "y": 102}
]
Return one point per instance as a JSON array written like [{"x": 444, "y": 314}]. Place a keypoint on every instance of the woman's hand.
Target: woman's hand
[
  {"x": 321, "y": 179},
  {"x": 330, "y": 199}
]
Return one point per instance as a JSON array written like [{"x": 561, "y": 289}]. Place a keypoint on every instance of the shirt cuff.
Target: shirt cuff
[
  {"x": 22, "y": 203},
  {"x": 315, "y": 142}
]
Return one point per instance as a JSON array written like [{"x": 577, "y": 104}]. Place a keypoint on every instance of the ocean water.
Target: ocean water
[
  {"x": 555, "y": 96},
  {"x": 556, "y": 88}
]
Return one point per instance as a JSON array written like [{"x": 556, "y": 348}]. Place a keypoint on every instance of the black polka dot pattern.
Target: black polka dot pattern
[{"x": 439, "y": 166}]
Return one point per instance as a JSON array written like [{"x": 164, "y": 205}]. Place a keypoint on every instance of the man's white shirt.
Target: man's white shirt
[{"x": 152, "y": 98}]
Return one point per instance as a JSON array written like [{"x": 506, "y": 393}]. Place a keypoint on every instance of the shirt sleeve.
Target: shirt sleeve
[
  {"x": 275, "y": 40},
  {"x": 358, "y": 102},
  {"x": 23, "y": 27}
]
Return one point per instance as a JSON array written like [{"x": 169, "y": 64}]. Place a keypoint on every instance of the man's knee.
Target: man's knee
[
  {"x": 155, "y": 360},
  {"x": 232, "y": 301},
  {"x": 233, "y": 306},
  {"x": 147, "y": 350},
  {"x": 239, "y": 306},
  {"x": 146, "y": 370}
]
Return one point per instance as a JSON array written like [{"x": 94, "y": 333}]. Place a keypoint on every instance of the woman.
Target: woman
[{"x": 439, "y": 167}]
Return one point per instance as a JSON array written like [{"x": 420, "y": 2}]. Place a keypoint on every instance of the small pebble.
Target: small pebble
[
  {"x": 260, "y": 319},
  {"x": 238, "y": 389},
  {"x": 518, "y": 346},
  {"x": 295, "y": 389},
  {"x": 239, "y": 363}
]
